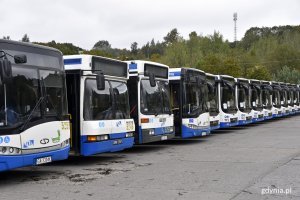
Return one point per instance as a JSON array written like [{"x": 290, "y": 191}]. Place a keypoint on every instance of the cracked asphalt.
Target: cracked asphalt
[{"x": 229, "y": 164}]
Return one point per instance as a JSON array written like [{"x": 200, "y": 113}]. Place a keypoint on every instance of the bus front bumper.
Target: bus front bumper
[
  {"x": 111, "y": 145},
  {"x": 12, "y": 162},
  {"x": 190, "y": 132}
]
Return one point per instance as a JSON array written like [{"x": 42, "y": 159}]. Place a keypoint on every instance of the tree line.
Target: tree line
[{"x": 267, "y": 53}]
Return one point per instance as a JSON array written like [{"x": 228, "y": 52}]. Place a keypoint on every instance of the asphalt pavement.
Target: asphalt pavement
[{"x": 258, "y": 161}]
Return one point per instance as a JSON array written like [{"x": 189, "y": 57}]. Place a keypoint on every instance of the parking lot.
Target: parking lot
[{"x": 237, "y": 163}]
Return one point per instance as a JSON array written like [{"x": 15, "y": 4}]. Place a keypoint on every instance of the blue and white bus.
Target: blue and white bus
[
  {"x": 227, "y": 105},
  {"x": 242, "y": 95},
  {"x": 213, "y": 101},
  {"x": 149, "y": 99},
  {"x": 276, "y": 99},
  {"x": 189, "y": 99},
  {"x": 284, "y": 99},
  {"x": 256, "y": 101},
  {"x": 34, "y": 126},
  {"x": 98, "y": 104},
  {"x": 266, "y": 91}
]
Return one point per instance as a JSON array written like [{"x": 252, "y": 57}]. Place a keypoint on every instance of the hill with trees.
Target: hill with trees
[{"x": 267, "y": 53}]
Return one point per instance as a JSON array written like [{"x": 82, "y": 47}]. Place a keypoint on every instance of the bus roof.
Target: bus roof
[
  {"x": 96, "y": 64},
  {"x": 137, "y": 67},
  {"x": 28, "y": 44}
]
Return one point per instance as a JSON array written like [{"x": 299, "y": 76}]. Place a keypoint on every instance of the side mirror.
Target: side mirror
[
  {"x": 5, "y": 70},
  {"x": 100, "y": 80},
  {"x": 152, "y": 80},
  {"x": 20, "y": 59}
]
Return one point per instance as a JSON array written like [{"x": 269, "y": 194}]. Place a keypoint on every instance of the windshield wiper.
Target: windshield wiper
[
  {"x": 48, "y": 99},
  {"x": 41, "y": 99}
]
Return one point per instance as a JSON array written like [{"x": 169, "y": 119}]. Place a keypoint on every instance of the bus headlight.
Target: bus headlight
[
  {"x": 129, "y": 134},
  {"x": 151, "y": 131},
  {"x": 9, "y": 151},
  {"x": 168, "y": 129},
  {"x": 102, "y": 137},
  {"x": 65, "y": 143}
]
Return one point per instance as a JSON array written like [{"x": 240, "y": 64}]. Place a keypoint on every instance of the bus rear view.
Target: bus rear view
[
  {"x": 150, "y": 101},
  {"x": 98, "y": 104},
  {"x": 34, "y": 127},
  {"x": 189, "y": 98}
]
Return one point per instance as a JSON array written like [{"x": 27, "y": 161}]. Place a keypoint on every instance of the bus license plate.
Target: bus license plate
[
  {"x": 44, "y": 160},
  {"x": 203, "y": 133},
  {"x": 164, "y": 137}
]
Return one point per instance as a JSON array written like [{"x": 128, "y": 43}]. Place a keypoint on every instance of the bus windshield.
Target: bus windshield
[
  {"x": 266, "y": 98},
  {"x": 243, "y": 97},
  {"x": 283, "y": 98},
  {"x": 155, "y": 100},
  {"x": 194, "y": 99},
  {"x": 228, "y": 97},
  {"x": 291, "y": 97},
  {"x": 30, "y": 84},
  {"x": 276, "y": 98},
  {"x": 110, "y": 103},
  {"x": 296, "y": 99},
  {"x": 256, "y": 100}
]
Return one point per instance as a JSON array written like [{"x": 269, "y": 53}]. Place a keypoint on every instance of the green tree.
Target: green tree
[
  {"x": 171, "y": 37},
  {"x": 134, "y": 48},
  {"x": 25, "y": 38},
  {"x": 287, "y": 75},
  {"x": 260, "y": 73},
  {"x": 102, "y": 45}
]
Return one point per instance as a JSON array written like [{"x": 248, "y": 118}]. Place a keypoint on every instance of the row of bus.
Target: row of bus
[{"x": 53, "y": 106}]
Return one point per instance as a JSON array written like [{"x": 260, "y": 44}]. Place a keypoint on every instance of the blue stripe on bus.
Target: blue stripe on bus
[
  {"x": 72, "y": 61},
  {"x": 187, "y": 132},
  {"x": 132, "y": 66},
  {"x": 174, "y": 73}
]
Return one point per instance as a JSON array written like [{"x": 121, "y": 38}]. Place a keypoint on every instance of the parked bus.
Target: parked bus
[
  {"x": 98, "y": 104},
  {"x": 189, "y": 99},
  {"x": 34, "y": 126},
  {"x": 256, "y": 101},
  {"x": 284, "y": 99},
  {"x": 213, "y": 101},
  {"x": 267, "y": 90},
  {"x": 276, "y": 99},
  {"x": 242, "y": 95},
  {"x": 149, "y": 99},
  {"x": 227, "y": 105}
]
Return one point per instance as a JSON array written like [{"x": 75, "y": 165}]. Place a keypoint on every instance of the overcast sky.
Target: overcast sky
[{"x": 121, "y": 22}]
